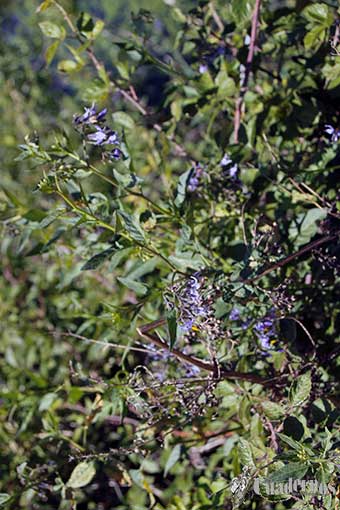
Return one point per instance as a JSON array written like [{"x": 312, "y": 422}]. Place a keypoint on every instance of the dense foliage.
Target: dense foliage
[{"x": 169, "y": 254}]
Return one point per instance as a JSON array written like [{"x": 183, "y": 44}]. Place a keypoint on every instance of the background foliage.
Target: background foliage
[{"x": 228, "y": 232}]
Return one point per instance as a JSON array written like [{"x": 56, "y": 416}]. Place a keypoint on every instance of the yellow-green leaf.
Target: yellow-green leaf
[{"x": 81, "y": 475}]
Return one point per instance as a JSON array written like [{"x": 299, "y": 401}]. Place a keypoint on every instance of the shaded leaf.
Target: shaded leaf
[
  {"x": 172, "y": 459},
  {"x": 137, "y": 287},
  {"x": 97, "y": 259},
  {"x": 172, "y": 328}
]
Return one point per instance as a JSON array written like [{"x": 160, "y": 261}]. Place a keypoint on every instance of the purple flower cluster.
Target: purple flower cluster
[
  {"x": 192, "y": 305},
  {"x": 265, "y": 329},
  {"x": 194, "y": 180},
  {"x": 92, "y": 124}
]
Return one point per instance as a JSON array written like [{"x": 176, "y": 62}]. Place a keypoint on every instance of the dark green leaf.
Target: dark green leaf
[
  {"x": 172, "y": 328},
  {"x": 97, "y": 259},
  {"x": 295, "y": 470}
]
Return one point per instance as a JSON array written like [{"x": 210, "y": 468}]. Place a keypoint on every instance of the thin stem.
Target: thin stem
[
  {"x": 286, "y": 260},
  {"x": 107, "y": 226},
  {"x": 109, "y": 179},
  {"x": 244, "y": 85}
]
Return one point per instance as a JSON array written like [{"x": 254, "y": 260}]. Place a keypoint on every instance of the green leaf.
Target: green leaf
[
  {"x": 242, "y": 9},
  {"x": 97, "y": 259},
  {"x": 81, "y": 475},
  {"x": 314, "y": 38},
  {"x": 305, "y": 226},
  {"x": 51, "y": 51},
  {"x": 272, "y": 410},
  {"x": 68, "y": 66},
  {"x": 137, "y": 287},
  {"x": 187, "y": 259},
  {"x": 181, "y": 187},
  {"x": 245, "y": 453},
  {"x": 331, "y": 71},
  {"x": 98, "y": 27},
  {"x": 132, "y": 226},
  {"x": 123, "y": 119},
  {"x": 172, "y": 459},
  {"x": 96, "y": 92},
  {"x": 291, "y": 442},
  {"x": 4, "y": 498},
  {"x": 172, "y": 328},
  {"x": 295, "y": 470},
  {"x": 13, "y": 199},
  {"x": 226, "y": 85},
  {"x": 52, "y": 30},
  {"x": 47, "y": 401},
  {"x": 301, "y": 390},
  {"x": 43, "y": 6},
  {"x": 318, "y": 13},
  {"x": 127, "y": 180}
]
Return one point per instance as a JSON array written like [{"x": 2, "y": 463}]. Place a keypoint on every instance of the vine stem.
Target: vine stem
[{"x": 244, "y": 84}]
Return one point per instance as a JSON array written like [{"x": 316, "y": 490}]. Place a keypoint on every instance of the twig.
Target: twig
[
  {"x": 107, "y": 344},
  {"x": 288, "y": 259},
  {"x": 306, "y": 331},
  {"x": 274, "y": 443},
  {"x": 143, "y": 331},
  {"x": 244, "y": 84}
]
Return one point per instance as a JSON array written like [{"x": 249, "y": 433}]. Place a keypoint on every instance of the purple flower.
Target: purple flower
[
  {"x": 233, "y": 171},
  {"x": 234, "y": 315},
  {"x": 194, "y": 180},
  {"x": 203, "y": 68},
  {"x": 193, "y": 184},
  {"x": 334, "y": 132},
  {"x": 90, "y": 116},
  {"x": 115, "y": 154},
  {"x": 112, "y": 138},
  {"x": 192, "y": 306},
  {"x": 98, "y": 137},
  {"x": 266, "y": 332},
  {"x": 225, "y": 161},
  {"x": 265, "y": 342}
]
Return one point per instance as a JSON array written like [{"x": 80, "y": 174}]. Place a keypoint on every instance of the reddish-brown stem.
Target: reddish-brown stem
[
  {"x": 286, "y": 260},
  {"x": 143, "y": 331}
]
